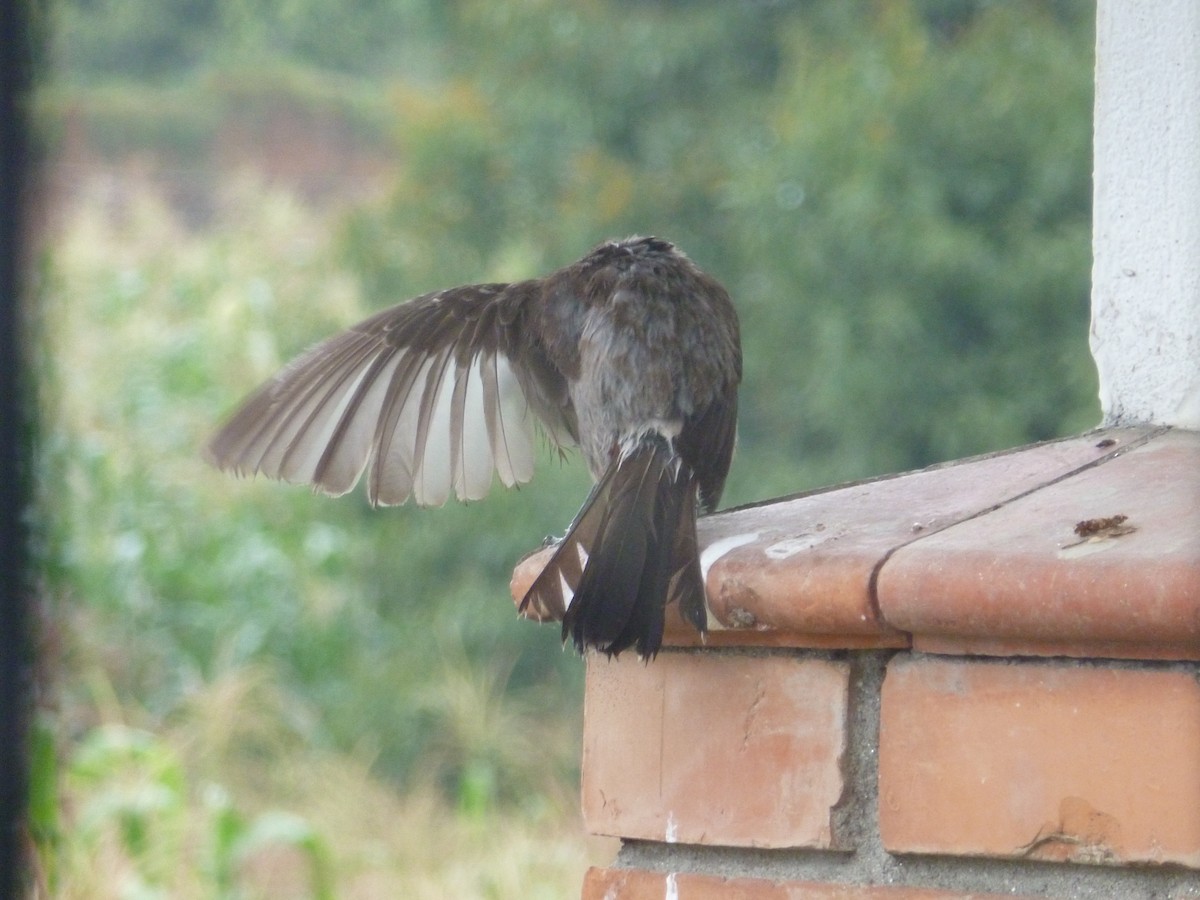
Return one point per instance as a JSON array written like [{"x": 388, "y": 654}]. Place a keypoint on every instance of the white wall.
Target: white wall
[{"x": 1145, "y": 332}]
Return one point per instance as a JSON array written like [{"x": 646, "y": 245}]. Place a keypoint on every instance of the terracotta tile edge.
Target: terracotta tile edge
[
  {"x": 946, "y": 639},
  {"x": 878, "y": 631}
]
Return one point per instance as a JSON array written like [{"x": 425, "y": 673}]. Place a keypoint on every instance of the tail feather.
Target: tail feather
[
  {"x": 644, "y": 627},
  {"x": 687, "y": 579},
  {"x": 631, "y": 550}
]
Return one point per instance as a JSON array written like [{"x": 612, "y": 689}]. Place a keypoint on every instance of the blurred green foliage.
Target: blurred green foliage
[
  {"x": 359, "y": 609},
  {"x": 897, "y": 195},
  {"x": 134, "y": 793}
]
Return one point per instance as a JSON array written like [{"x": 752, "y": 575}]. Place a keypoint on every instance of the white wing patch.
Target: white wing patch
[
  {"x": 431, "y": 452},
  {"x": 456, "y": 426},
  {"x": 347, "y": 460},
  {"x": 391, "y": 479},
  {"x": 471, "y": 453},
  {"x": 508, "y": 420}
]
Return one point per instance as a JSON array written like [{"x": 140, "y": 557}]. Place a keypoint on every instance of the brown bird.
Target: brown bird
[{"x": 632, "y": 353}]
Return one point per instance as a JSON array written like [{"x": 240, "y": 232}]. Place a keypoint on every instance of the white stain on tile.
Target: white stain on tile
[
  {"x": 793, "y": 545},
  {"x": 717, "y": 549},
  {"x": 672, "y": 834}
]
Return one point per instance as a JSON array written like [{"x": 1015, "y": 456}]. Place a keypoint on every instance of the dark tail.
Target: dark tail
[{"x": 630, "y": 551}]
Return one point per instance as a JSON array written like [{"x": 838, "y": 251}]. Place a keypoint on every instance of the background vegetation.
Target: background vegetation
[{"x": 252, "y": 691}]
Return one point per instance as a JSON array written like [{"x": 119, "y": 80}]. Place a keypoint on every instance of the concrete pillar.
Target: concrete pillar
[{"x": 1145, "y": 333}]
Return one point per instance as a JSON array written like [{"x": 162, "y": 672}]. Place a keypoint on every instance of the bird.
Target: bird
[{"x": 632, "y": 354}]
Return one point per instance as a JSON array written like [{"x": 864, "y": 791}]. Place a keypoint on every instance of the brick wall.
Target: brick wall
[{"x": 975, "y": 680}]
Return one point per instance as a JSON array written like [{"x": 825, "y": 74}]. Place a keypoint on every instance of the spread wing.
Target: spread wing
[{"x": 431, "y": 395}]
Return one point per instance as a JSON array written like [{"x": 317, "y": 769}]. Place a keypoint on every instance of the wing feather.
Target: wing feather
[
  {"x": 473, "y": 459},
  {"x": 431, "y": 451},
  {"x": 421, "y": 396},
  {"x": 349, "y": 448},
  {"x": 259, "y": 434},
  {"x": 395, "y": 438}
]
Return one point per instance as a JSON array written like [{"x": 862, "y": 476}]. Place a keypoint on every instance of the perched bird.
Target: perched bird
[{"x": 632, "y": 353}]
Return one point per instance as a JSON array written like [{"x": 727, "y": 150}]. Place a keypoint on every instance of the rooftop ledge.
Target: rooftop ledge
[{"x": 1085, "y": 546}]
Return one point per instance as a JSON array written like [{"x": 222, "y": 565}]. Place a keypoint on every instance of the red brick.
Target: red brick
[
  {"x": 1040, "y": 761},
  {"x": 1019, "y": 580},
  {"x": 710, "y": 748},
  {"x": 641, "y": 884}
]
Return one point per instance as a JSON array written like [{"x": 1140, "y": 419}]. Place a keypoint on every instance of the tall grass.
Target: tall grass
[{"x": 259, "y": 692}]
